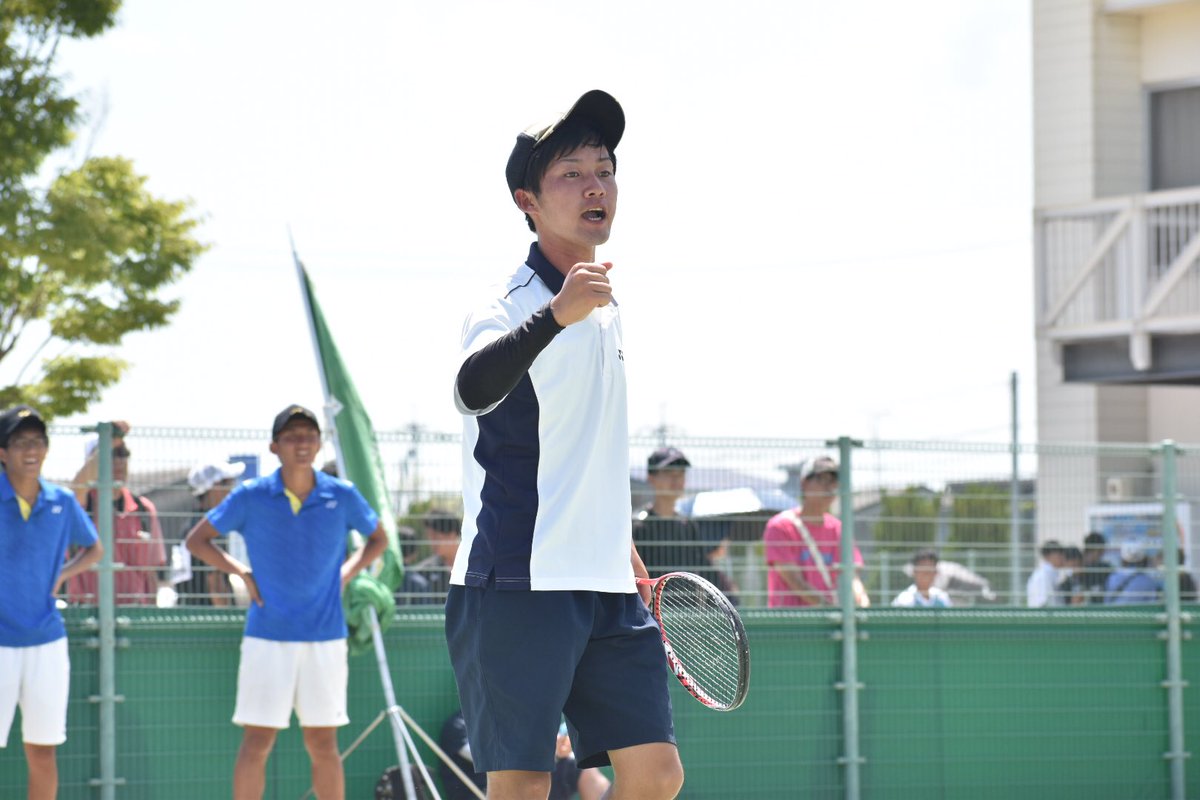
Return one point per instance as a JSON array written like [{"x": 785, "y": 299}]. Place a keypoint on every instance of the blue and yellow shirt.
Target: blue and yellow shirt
[
  {"x": 296, "y": 555},
  {"x": 31, "y": 557}
]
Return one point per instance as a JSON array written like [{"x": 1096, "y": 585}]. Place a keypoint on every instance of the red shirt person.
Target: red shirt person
[
  {"x": 794, "y": 540},
  {"x": 137, "y": 535}
]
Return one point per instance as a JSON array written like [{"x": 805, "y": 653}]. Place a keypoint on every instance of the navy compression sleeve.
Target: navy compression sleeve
[{"x": 488, "y": 375}]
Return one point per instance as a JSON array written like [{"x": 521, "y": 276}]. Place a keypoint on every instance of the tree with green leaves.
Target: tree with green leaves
[
  {"x": 84, "y": 255},
  {"x": 907, "y": 520},
  {"x": 979, "y": 516}
]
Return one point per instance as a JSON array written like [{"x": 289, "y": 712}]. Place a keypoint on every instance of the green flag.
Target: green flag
[{"x": 353, "y": 436}]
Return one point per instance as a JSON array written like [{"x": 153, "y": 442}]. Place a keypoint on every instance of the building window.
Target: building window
[{"x": 1175, "y": 138}]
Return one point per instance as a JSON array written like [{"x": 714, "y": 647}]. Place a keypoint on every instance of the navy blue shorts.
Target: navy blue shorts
[{"x": 524, "y": 659}]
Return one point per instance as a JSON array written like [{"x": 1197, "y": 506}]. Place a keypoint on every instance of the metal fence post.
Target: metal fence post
[
  {"x": 1014, "y": 506},
  {"x": 106, "y": 599},
  {"x": 106, "y": 605},
  {"x": 850, "y": 686},
  {"x": 1174, "y": 684}
]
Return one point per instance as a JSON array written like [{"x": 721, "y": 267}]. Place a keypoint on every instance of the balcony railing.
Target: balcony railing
[{"x": 1120, "y": 267}]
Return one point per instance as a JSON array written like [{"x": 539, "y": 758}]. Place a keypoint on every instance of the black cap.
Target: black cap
[
  {"x": 599, "y": 107},
  {"x": 19, "y": 417},
  {"x": 821, "y": 465},
  {"x": 290, "y": 413},
  {"x": 666, "y": 458}
]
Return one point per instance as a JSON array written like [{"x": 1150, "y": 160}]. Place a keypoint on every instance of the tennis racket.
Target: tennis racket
[{"x": 703, "y": 637}]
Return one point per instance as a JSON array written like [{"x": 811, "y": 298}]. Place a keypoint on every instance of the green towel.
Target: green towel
[{"x": 364, "y": 592}]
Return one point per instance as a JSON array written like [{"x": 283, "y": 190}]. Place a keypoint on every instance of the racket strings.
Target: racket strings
[{"x": 703, "y": 638}]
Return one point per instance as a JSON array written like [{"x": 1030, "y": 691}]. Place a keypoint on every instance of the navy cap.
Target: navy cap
[
  {"x": 599, "y": 107},
  {"x": 290, "y": 413},
  {"x": 666, "y": 458},
  {"x": 19, "y": 417}
]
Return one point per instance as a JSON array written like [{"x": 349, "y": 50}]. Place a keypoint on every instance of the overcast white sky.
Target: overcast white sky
[{"x": 824, "y": 224}]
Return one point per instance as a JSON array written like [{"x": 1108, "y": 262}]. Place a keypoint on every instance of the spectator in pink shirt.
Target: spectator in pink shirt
[
  {"x": 137, "y": 535},
  {"x": 803, "y": 545}
]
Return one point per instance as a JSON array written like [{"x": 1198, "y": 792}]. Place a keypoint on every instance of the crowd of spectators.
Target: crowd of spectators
[{"x": 801, "y": 548}]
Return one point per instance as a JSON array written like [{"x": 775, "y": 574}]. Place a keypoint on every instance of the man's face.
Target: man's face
[
  {"x": 578, "y": 199},
  {"x": 822, "y": 486},
  {"x": 298, "y": 444},
  {"x": 924, "y": 571},
  {"x": 444, "y": 545},
  {"x": 120, "y": 462},
  {"x": 24, "y": 454},
  {"x": 667, "y": 482}
]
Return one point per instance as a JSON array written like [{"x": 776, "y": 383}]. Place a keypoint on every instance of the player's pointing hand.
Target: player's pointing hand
[{"x": 585, "y": 287}]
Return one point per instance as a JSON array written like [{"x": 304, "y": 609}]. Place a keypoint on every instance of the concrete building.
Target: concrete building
[{"x": 1116, "y": 90}]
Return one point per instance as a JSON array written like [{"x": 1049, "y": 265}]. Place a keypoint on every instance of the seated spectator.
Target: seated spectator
[
  {"x": 428, "y": 581},
  {"x": 964, "y": 586},
  {"x": 137, "y": 534},
  {"x": 1093, "y": 576},
  {"x": 922, "y": 593},
  {"x": 1134, "y": 582},
  {"x": 568, "y": 781},
  {"x": 198, "y": 584},
  {"x": 453, "y": 741},
  {"x": 1070, "y": 587}
]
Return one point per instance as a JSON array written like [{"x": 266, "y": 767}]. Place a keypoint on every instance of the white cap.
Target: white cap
[
  {"x": 1133, "y": 550},
  {"x": 205, "y": 476}
]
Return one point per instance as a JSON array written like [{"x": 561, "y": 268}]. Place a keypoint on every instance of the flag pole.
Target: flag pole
[{"x": 389, "y": 695}]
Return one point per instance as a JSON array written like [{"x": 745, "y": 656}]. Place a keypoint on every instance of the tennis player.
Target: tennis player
[
  {"x": 295, "y": 522},
  {"x": 543, "y": 615},
  {"x": 38, "y": 521}
]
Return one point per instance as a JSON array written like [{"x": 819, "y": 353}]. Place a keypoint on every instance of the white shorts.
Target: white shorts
[
  {"x": 38, "y": 679},
  {"x": 276, "y": 677}
]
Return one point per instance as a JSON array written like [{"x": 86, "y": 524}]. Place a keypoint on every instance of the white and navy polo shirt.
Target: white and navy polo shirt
[{"x": 546, "y": 469}]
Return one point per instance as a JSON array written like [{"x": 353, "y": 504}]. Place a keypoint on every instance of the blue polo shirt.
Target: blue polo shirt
[
  {"x": 546, "y": 469},
  {"x": 31, "y": 558},
  {"x": 296, "y": 558}
]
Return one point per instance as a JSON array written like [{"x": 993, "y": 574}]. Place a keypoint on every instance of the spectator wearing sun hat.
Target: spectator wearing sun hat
[
  {"x": 1134, "y": 582},
  {"x": 198, "y": 584}
]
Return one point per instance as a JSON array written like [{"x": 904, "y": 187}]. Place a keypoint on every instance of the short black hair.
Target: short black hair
[
  {"x": 1072, "y": 553},
  {"x": 569, "y": 137},
  {"x": 1051, "y": 546},
  {"x": 924, "y": 555},
  {"x": 442, "y": 521},
  {"x": 1095, "y": 539}
]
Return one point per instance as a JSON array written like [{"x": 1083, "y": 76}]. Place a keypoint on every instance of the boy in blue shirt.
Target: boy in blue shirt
[
  {"x": 295, "y": 522},
  {"x": 38, "y": 521}
]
